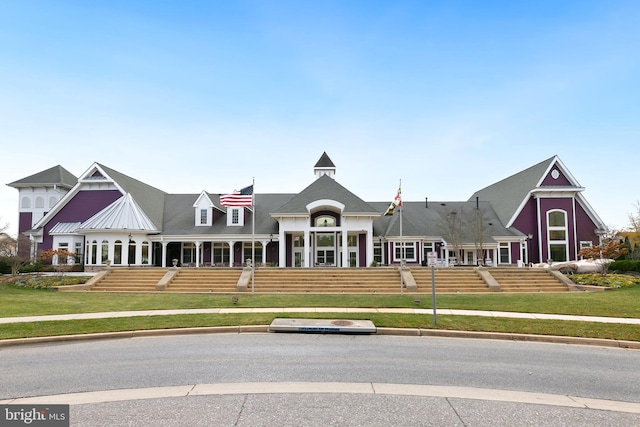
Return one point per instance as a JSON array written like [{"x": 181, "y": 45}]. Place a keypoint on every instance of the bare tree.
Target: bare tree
[
  {"x": 634, "y": 219},
  {"x": 453, "y": 225},
  {"x": 18, "y": 258},
  {"x": 633, "y": 233},
  {"x": 477, "y": 225}
]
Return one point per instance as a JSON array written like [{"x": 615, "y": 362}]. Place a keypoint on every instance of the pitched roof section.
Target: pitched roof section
[
  {"x": 326, "y": 188},
  {"x": 64, "y": 228},
  {"x": 149, "y": 199},
  {"x": 123, "y": 214},
  {"x": 180, "y": 221},
  {"x": 324, "y": 162},
  {"x": 508, "y": 195},
  {"x": 56, "y": 175},
  {"x": 418, "y": 220}
]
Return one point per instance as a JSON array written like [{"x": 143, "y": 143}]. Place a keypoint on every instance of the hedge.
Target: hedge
[{"x": 625, "y": 265}]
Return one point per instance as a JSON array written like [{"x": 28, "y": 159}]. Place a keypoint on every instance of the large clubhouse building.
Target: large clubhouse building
[{"x": 108, "y": 218}]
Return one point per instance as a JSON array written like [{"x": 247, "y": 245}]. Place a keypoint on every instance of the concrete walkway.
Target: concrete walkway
[{"x": 444, "y": 312}]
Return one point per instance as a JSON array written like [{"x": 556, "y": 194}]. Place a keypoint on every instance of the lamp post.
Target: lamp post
[{"x": 529, "y": 237}]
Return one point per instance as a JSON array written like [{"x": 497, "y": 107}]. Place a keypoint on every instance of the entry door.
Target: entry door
[
  {"x": 326, "y": 249},
  {"x": 470, "y": 256},
  {"x": 353, "y": 258},
  {"x": 298, "y": 257}
]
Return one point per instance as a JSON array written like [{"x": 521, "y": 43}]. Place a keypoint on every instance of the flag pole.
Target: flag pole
[
  {"x": 401, "y": 240},
  {"x": 253, "y": 236}
]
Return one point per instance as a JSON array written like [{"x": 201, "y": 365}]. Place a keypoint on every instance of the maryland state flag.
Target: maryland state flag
[{"x": 397, "y": 201}]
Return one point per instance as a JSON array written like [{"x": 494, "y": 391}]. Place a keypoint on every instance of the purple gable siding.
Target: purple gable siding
[
  {"x": 585, "y": 227},
  {"x": 81, "y": 207},
  {"x": 24, "y": 221},
  {"x": 560, "y": 181},
  {"x": 526, "y": 223},
  {"x": 516, "y": 253}
]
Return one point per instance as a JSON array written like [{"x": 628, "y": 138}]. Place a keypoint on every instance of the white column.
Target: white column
[
  {"x": 345, "y": 249},
  {"x": 264, "y": 251},
  {"x": 197, "y": 242},
  {"x": 231, "y": 251},
  {"x": 282, "y": 249},
  {"x": 307, "y": 248},
  {"x": 164, "y": 253}
]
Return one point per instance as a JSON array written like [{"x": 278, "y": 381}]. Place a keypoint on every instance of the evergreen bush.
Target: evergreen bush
[{"x": 625, "y": 265}]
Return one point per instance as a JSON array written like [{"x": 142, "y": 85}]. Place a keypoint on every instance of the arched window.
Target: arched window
[
  {"x": 557, "y": 235},
  {"x": 39, "y": 202},
  {"x": 117, "y": 252},
  {"x": 131, "y": 259},
  {"x": 52, "y": 201},
  {"x": 325, "y": 221},
  {"x": 26, "y": 202}
]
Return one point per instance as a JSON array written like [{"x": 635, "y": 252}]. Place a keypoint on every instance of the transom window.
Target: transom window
[{"x": 325, "y": 221}]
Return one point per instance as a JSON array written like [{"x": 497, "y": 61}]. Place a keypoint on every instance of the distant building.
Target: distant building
[
  {"x": 7, "y": 245},
  {"x": 106, "y": 217}
]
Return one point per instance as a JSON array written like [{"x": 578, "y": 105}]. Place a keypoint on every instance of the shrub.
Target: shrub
[
  {"x": 625, "y": 265},
  {"x": 5, "y": 267},
  {"x": 610, "y": 281},
  {"x": 35, "y": 281}
]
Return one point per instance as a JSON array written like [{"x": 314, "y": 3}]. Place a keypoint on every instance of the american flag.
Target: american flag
[{"x": 242, "y": 198}]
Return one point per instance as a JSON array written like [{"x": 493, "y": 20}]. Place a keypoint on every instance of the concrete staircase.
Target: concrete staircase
[
  {"x": 205, "y": 280},
  {"x": 379, "y": 280},
  {"x": 449, "y": 280},
  {"x": 130, "y": 280},
  {"x": 327, "y": 280},
  {"x": 526, "y": 280}
]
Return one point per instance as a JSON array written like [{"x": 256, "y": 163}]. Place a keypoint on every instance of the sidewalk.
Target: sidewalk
[{"x": 444, "y": 312}]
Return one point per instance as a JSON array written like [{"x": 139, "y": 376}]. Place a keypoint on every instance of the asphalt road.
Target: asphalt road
[{"x": 510, "y": 367}]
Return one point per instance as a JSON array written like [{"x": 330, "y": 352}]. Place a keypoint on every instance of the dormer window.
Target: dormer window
[
  {"x": 203, "y": 211},
  {"x": 235, "y": 216}
]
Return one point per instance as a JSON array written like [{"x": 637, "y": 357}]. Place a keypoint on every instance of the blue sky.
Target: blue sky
[{"x": 447, "y": 96}]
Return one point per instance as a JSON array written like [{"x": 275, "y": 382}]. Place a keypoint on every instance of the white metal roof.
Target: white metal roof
[{"x": 123, "y": 214}]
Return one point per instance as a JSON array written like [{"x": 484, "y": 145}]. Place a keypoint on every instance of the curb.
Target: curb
[{"x": 415, "y": 332}]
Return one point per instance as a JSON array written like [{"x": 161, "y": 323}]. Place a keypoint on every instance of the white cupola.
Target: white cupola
[{"x": 324, "y": 166}]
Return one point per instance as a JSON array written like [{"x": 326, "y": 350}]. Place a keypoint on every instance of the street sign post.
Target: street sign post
[{"x": 432, "y": 260}]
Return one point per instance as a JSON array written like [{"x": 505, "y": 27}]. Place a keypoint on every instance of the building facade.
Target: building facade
[{"x": 108, "y": 218}]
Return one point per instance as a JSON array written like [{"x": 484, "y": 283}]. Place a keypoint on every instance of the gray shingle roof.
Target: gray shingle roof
[
  {"x": 56, "y": 175},
  {"x": 418, "y": 220},
  {"x": 326, "y": 188},
  {"x": 507, "y": 195},
  {"x": 150, "y": 199},
  {"x": 180, "y": 220}
]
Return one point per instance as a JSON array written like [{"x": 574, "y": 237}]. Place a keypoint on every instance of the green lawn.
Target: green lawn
[{"x": 616, "y": 303}]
